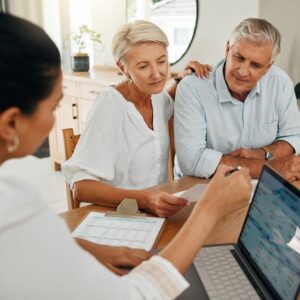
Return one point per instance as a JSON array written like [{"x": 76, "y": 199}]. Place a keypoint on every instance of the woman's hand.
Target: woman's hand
[
  {"x": 163, "y": 204},
  {"x": 114, "y": 258},
  {"x": 201, "y": 70},
  {"x": 227, "y": 192}
]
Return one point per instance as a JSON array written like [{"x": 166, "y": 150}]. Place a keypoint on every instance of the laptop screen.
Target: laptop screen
[{"x": 271, "y": 234}]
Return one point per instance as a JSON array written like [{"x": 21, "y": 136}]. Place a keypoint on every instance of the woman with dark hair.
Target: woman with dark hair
[{"x": 39, "y": 258}]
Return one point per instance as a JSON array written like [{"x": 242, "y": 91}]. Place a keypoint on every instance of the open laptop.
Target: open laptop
[{"x": 265, "y": 263}]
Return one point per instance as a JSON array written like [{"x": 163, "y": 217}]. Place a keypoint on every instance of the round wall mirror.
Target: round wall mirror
[{"x": 177, "y": 18}]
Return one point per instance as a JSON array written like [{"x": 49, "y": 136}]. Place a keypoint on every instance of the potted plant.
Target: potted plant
[{"x": 80, "y": 61}]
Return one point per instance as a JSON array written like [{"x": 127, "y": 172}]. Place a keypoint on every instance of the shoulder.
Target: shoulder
[
  {"x": 19, "y": 200},
  {"x": 276, "y": 75},
  {"x": 109, "y": 103},
  {"x": 194, "y": 89},
  {"x": 109, "y": 98},
  {"x": 163, "y": 98}
]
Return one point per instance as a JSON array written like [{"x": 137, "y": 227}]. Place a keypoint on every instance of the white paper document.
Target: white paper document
[
  {"x": 120, "y": 231},
  {"x": 194, "y": 193}
]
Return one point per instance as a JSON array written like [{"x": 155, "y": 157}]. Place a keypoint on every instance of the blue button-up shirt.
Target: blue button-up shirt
[{"x": 210, "y": 122}]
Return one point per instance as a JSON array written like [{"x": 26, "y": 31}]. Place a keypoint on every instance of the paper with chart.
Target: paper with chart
[
  {"x": 138, "y": 232},
  {"x": 194, "y": 193}
]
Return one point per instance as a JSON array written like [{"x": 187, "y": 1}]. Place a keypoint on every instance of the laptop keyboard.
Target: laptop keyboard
[{"x": 222, "y": 276}]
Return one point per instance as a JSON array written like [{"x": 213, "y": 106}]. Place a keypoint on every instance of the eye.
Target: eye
[
  {"x": 161, "y": 62},
  {"x": 257, "y": 66},
  {"x": 239, "y": 58},
  {"x": 141, "y": 67}
]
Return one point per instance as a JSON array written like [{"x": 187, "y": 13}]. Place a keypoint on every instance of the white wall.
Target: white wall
[
  {"x": 216, "y": 20},
  {"x": 107, "y": 16},
  {"x": 285, "y": 15}
]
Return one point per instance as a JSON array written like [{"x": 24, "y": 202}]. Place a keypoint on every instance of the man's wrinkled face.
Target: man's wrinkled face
[{"x": 246, "y": 63}]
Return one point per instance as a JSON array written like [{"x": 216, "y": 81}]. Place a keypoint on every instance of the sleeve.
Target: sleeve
[
  {"x": 95, "y": 154},
  {"x": 45, "y": 260},
  {"x": 190, "y": 133},
  {"x": 289, "y": 116},
  {"x": 168, "y": 105}
]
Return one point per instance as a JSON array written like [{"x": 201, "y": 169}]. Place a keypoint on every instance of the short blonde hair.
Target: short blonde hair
[
  {"x": 137, "y": 32},
  {"x": 258, "y": 31}
]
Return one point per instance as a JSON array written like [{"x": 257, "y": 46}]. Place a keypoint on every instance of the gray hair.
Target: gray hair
[
  {"x": 257, "y": 31},
  {"x": 137, "y": 32}
]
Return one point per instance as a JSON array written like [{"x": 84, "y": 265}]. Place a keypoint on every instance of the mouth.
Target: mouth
[
  {"x": 239, "y": 79},
  {"x": 157, "y": 82}
]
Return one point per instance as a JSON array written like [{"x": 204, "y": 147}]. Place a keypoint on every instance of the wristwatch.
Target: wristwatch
[{"x": 269, "y": 154}]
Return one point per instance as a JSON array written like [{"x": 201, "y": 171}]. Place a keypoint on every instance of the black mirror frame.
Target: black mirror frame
[{"x": 193, "y": 36}]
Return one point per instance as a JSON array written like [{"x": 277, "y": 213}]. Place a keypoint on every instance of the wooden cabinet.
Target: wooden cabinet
[
  {"x": 80, "y": 91},
  {"x": 88, "y": 92}
]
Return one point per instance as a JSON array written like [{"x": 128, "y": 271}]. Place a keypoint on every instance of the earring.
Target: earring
[
  {"x": 129, "y": 80},
  {"x": 13, "y": 146}
]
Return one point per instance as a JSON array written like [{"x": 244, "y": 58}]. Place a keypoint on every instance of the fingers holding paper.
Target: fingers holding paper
[{"x": 163, "y": 204}]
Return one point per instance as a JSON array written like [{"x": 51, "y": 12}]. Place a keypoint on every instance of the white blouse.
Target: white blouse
[
  {"x": 118, "y": 148},
  {"x": 40, "y": 260}
]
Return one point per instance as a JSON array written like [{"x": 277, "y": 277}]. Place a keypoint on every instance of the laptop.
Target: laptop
[{"x": 265, "y": 263}]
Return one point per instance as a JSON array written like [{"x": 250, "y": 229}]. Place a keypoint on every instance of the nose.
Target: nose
[
  {"x": 155, "y": 72},
  {"x": 244, "y": 69}
]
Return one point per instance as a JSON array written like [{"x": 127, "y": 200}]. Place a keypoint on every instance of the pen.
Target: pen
[{"x": 238, "y": 168}]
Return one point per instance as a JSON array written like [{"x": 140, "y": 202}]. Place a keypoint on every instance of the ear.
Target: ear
[
  {"x": 227, "y": 49},
  {"x": 9, "y": 123},
  {"x": 268, "y": 67},
  {"x": 122, "y": 68}
]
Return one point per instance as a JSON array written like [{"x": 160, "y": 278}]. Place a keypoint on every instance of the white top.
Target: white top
[
  {"x": 40, "y": 260},
  {"x": 118, "y": 148}
]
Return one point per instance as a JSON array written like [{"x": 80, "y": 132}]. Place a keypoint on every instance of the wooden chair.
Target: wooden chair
[
  {"x": 171, "y": 151},
  {"x": 70, "y": 141}
]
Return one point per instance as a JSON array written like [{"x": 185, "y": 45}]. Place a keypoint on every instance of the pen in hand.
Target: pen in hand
[{"x": 238, "y": 168}]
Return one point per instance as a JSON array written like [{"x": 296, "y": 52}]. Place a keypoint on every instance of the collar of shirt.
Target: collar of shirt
[{"x": 222, "y": 89}]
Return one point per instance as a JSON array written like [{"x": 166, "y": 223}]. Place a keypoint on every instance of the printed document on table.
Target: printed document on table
[
  {"x": 194, "y": 193},
  {"x": 138, "y": 232}
]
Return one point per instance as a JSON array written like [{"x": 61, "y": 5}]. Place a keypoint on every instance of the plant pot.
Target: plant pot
[{"x": 80, "y": 63}]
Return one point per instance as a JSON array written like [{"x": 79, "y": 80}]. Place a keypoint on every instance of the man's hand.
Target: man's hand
[
  {"x": 114, "y": 258},
  {"x": 163, "y": 204},
  {"x": 248, "y": 153},
  {"x": 289, "y": 167}
]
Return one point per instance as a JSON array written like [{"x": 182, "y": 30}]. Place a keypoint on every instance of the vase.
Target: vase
[{"x": 80, "y": 63}]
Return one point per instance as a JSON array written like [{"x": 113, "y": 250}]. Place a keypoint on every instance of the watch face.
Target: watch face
[{"x": 269, "y": 155}]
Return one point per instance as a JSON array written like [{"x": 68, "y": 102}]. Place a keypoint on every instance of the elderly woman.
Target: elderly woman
[
  {"x": 125, "y": 145},
  {"x": 39, "y": 259}
]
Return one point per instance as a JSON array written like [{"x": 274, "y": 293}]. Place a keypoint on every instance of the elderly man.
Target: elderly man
[{"x": 244, "y": 114}]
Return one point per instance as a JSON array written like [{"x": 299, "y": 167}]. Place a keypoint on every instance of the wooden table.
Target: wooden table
[{"x": 227, "y": 230}]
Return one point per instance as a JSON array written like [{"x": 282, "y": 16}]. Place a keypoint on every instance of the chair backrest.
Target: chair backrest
[{"x": 70, "y": 141}]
